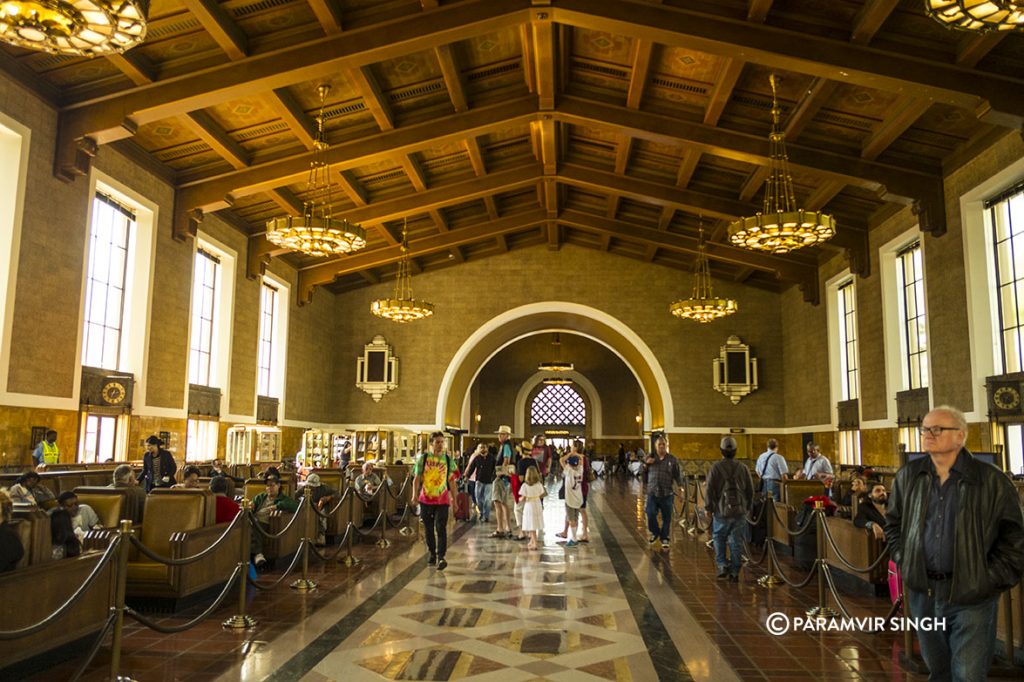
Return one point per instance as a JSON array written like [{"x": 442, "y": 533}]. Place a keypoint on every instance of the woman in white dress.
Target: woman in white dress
[{"x": 533, "y": 513}]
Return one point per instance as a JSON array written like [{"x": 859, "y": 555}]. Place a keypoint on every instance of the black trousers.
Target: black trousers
[{"x": 435, "y": 519}]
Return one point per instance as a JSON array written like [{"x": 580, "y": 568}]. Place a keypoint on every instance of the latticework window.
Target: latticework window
[{"x": 558, "y": 405}]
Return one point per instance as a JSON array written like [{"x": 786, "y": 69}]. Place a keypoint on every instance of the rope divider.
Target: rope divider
[
  {"x": 884, "y": 556},
  {"x": 324, "y": 556},
  {"x": 342, "y": 500},
  {"x": 189, "y": 559},
  {"x": 174, "y": 629},
  {"x": 71, "y": 601},
  {"x": 291, "y": 567},
  {"x": 273, "y": 536},
  {"x": 785, "y": 525},
  {"x": 835, "y": 592},
  {"x": 97, "y": 642},
  {"x": 798, "y": 584}
]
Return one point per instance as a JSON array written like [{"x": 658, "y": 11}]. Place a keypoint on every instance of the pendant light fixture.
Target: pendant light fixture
[{"x": 402, "y": 307}]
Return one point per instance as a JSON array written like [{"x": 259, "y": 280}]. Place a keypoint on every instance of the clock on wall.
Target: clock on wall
[
  {"x": 113, "y": 392},
  {"x": 1006, "y": 397}
]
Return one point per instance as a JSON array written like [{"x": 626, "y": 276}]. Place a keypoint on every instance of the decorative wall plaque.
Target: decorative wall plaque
[
  {"x": 735, "y": 372},
  {"x": 377, "y": 369}
]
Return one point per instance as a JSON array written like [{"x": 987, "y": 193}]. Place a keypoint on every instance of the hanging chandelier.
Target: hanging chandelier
[
  {"x": 780, "y": 227},
  {"x": 977, "y": 15},
  {"x": 702, "y": 306},
  {"x": 316, "y": 232},
  {"x": 556, "y": 365},
  {"x": 84, "y": 28},
  {"x": 402, "y": 307}
]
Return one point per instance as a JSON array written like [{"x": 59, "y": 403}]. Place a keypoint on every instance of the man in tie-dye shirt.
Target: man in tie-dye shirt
[{"x": 434, "y": 488}]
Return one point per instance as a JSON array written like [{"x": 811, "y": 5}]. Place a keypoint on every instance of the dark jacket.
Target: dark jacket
[
  {"x": 988, "y": 554},
  {"x": 484, "y": 466},
  {"x": 866, "y": 511},
  {"x": 168, "y": 467},
  {"x": 725, "y": 469}
]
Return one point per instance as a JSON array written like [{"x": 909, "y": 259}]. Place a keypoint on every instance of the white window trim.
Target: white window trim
[
  {"x": 140, "y": 272},
  {"x": 220, "y": 370},
  {"x": 895, "y": 369},
  {"x": 979, "y": 263},
  {"x": 278, "y": 379},
  {"x": 834, "y": 366}
]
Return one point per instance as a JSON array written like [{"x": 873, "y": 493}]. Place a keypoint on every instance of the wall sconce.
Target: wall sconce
[{"x": 478, "y": 420}]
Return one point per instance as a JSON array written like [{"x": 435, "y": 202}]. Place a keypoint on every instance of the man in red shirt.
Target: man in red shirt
[{"x": 227, "y": 508}]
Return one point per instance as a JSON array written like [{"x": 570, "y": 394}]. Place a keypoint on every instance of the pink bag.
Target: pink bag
[{"x": 895, "y": 582}]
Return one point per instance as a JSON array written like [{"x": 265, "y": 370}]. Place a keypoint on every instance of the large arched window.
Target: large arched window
[{"x": 558, "y": 404}]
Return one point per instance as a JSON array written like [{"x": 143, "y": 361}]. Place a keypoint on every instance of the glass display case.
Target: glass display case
[
  {"x": 251, "y": 443},
  {"x": 324, "y": 449}
]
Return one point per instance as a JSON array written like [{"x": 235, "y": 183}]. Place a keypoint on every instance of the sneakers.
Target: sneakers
[
  {"x": 560, "y": 535},
  {"x": 431, "y": 560},
  {"x": 722, "y": 575},
  {"x": 259, "y": 560},
  {"x": 652, "y": 540},
  {"x": 665, "y": 544},
  {"x": 441, "y": 564},
  {"x": 571, "y": 543},
  {"x": 734, "y": 578}
]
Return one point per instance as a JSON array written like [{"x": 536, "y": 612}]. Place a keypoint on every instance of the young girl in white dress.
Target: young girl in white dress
[{"x": 533, "y": 513}]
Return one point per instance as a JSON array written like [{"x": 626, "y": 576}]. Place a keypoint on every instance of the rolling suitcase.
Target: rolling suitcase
[{"x": 462, "y": 506}]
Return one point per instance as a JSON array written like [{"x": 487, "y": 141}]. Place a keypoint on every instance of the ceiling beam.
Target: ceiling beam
[
  {"x": 492, "y": 208},
  {"x": 376, "y": 101},
  {"x": 544, "y": 61},
  {"x": 135, "y": 66},
  {"x": 691, "y": 157},
  {"x": 414, "y": 171},
  {"x": 210, "y": 132},
  {"x": 642, "y": 51},
  {"x": 502, "y": 242},
  {"x": 328, "y": 14},
  {"x": 437, "y": 215},
  {"x": 547, "y": 143},
  {"x": 351, "y": 187},
  {"x": 651, "y": 252},
  {"x": 823, "y": 194},
  {"x": 370, "y": 276},
  {"x": 291, "y": 112},
  {"x": 757, "y": 10},
  {"x": 554, "y": 238},
  {"x": 870, "y": 18},
  {"x": 722, "y": 90},
  {"x": 221, "y": 27},
  {"x": 455, "y": 253},
  {"x": 742, "y": 275},
  {"x": 810, "y": 104},
  {"x": 288, "y": 202},
  {"x": 218, "y": 192},
  {"x": 476, "y": 157},
  {"x": 117, "y": 115},
  {"x": 667, "y": 213},
  {"x": 452, "y": 76},
  {"x": 973, "y": 47},
  {"x": 327, "y": 272},
  {"x": 996, "y": 98},
  {"x": 622, "y": 153},
  {"x": 905, "y": 112},
  {"x": 526, "y": 50}
]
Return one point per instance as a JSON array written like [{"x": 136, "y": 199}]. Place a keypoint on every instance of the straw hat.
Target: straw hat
[{"x": 505, "y": 429}]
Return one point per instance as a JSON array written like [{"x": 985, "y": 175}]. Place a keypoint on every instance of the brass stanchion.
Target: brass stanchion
[
  {"x": 124, "y": 533},
  {"x": 770, "y": 580},
  {"x": 241, "y": 621},
  {"x": 822, "y": 610},
  {"x": 383, "y": 491},
  {"x": 350, "y": 560},
  {"x": 304, "y": 584}
]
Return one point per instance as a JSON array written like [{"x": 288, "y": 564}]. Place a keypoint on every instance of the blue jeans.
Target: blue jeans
[
  {"x": 661, "y": 504},
  {"x": 733, "y": 531},
  {"x": 483, "y": 500},
  {"x": 771, "y": 487},
  {"x": 962, "y": 652}
]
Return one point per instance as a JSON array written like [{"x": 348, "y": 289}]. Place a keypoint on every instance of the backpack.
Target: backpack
[{"x": 731, "y": 503}]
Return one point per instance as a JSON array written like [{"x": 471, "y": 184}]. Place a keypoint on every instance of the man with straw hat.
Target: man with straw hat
[{"x": 501, "y": 493}]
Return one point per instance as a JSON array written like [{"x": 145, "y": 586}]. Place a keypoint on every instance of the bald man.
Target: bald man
[{"x": 954, "y": 527}]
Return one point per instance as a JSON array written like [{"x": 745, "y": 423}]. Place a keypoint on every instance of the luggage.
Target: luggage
[
  {"x": 462, "y": 506},
  {"x": 895, "y": 582}
]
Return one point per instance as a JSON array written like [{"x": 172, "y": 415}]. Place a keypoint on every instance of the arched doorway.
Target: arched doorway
[{"x": 560, "y": 412}]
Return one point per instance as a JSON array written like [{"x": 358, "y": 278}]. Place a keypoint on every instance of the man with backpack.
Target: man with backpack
[
  {"x": 434, "y": 488},
  {"x": 730, "y": 495},
  {"x": 663, "y": 476}
]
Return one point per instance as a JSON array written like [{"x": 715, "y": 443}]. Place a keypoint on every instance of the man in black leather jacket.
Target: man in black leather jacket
[{"x": 954, "y": 527}]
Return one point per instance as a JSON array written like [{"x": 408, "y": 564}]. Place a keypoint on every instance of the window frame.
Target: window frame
[
  {"x": 849, "y": 377},
  {"x": 918, "y": 320},
  {"x": 205, "y": 256},
  {"x": 104, "y": 205},
  {"x": 559, "y": 389}
]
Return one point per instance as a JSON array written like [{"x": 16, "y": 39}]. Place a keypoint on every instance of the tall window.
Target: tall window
[
  {"x": 201, "y": 440},
  {"x": 1006, "y": 215},
  {"x": 849, "y": 447},
  {"x": 558, "y": 404},
  {"x": 100, "y": 439},
  {"x": 914, "y": 328},
  {"x": 205, "y": 280},
  {"x": 266, "y": 369},
  {"x": 848, "y": 342},
  {"x": 109, "y": 236},
  {"x": 911, "y": 437}
]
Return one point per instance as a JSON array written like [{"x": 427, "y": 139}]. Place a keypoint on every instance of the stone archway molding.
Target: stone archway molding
[
  {"x": 583, "y": 385},
  {"x": 545, "y": 316}
]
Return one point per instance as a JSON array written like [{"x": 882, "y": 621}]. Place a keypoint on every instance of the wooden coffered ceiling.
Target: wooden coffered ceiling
[{"x": 494, "y": 125}]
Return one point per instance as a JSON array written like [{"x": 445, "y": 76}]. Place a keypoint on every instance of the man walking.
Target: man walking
[
  {"x": 662, "y": 476},
  {"x": 47, "y": 451},
  {"x": 434, "y": 488},
  {"x": 772, "y": 468},
  {"x": 730, "y": 494},
  {"x": 955, "y": 529}
]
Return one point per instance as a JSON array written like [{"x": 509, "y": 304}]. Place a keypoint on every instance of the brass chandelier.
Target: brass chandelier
[
  {"x": 977, "y": 15},
  {"x": 84, "y": 28},
  {"x": 703, "y": 306},
  {"x": 317, "y": 232},
  {"x": 556, "y": 365},
  {"x": 780, "y": 227},
  {"x": 402, "y": 307}
]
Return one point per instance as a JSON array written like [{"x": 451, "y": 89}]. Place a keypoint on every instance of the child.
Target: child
[
  {"x": 533, "y": 513},
  {"x": 572, "y": 477}
]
